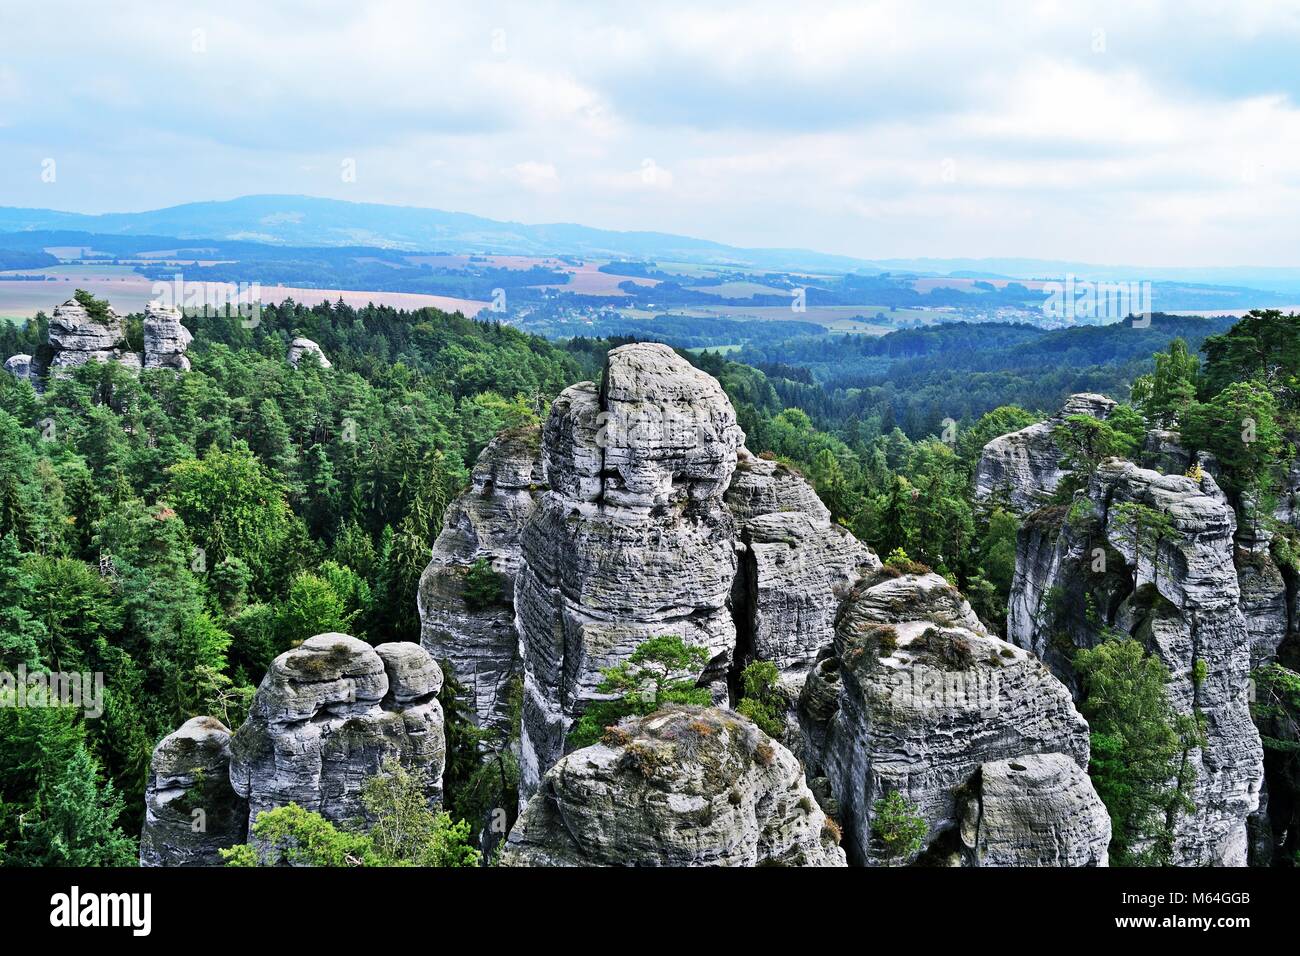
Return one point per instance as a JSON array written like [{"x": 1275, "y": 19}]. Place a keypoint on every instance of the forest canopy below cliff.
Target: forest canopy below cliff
[{"x": 177, "y": 532}]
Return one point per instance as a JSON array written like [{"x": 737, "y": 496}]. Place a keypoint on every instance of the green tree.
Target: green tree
[
  {"x": 1240, "y": 427},
  {"x": 311, "y": 607},
  {"x": 400, "y": 829},
  {"x": 1139, "y": 749},
  {"x": 1167, "y": 392},
  {"x": 54, "y": 808},
  {"x": 482, "y": 585},
  {"x": 1085, "y": 442},
  {"x": 1263, "y": 347},
  {"x": 231, "y": 506},
  {"x": 290, "y": 835},
  {"x": 760, "y": 700},
  {"x": 646, "y": 681},
  {"x": 404, "y": 828},
  {"x": 1144, "y": 528},
  {"x": 897, "y": 825},
  {"x": 78, "y": 822}
]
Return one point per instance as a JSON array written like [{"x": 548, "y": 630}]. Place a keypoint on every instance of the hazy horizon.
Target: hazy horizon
[{"x": 1146, "y": 135}]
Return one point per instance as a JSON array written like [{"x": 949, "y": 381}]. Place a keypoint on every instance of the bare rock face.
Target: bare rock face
[
  {"x": 916, "y": 697},
  {"x": 1080, "y": 570},
  {"x": 686, "y": 786},
  {"x": 165, "y": 339},
  {"x": 763, "y": 486},
  {"x": 475, "y": 634},
  {"x": 20, "y": 366},
  {"x": 631, "y": 541},
  {"x": 73, "y": 329},
  {"x": 1288, "y": 499},
  {"x": 191, "y": 810},
  {"x": 77, "y": 337},
  {"x": 1023, "y": 468},
  {"x": 796, "y": 566},
  {"x": 302, "y": 347},
  {"x": 1164, "y": 452},
  {"x": 1036, "y": 810},
  {"x": 325, "y": 718},
  {"x": 1264, "y": 604}
]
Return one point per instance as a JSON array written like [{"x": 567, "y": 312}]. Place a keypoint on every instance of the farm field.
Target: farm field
[{"x": 130, "y": 292}]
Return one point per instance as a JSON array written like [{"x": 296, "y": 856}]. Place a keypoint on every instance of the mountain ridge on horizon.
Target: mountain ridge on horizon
[{"x": 299, "y": 220}]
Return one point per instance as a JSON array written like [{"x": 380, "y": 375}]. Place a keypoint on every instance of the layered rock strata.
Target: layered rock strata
[
  {"x": 796, "y": 566},
  {"x": 631, "y": 540},
  {"x": 76, "y": 336},
  {"x": 303, "y": 348},
  {"x": 466, "y": 624},
  {"x": 165, "y": 339},
  {"x": 20, "y": 366},
  {"x": 1083, "y": 572},
  {"x": 326, "y": 717},
  {"x": 1022, "y": 469},
  {"x": 683, "y": 787},
  {"x": 191, "y": 810},
  {"x": 915, "y": 697},
  {"x": 1036, "y": 810}
]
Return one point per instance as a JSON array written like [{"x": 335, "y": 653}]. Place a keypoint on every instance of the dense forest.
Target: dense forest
[{"x": 177, "y": 532}]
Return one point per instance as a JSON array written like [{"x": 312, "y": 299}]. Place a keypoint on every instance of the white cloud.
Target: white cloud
[
  {"x": 883, "y": 128},
  {"x": 534, "y": 175}
]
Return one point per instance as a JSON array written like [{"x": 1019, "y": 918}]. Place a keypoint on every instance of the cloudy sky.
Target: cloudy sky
[{"x": 1146, "y": 133}]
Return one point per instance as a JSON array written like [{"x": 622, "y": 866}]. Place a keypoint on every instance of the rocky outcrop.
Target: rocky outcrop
[
  {"x": 20, "y": 366},
  {"x": 635, "y": 513},
  {"x": 1022, "y": 470},
  {"x": 302, "y": 347},
  {"x": 191, "y": 810},
  {"x": 915, "y": 696},
  {"x": 796, "y": 566},
  {"x": 1265, "y": 600},
  {"x": 631, "y": 540},
  {"x": 1082, "y": 572},
  {"x": 165, "y": 339},
  {"x": 1163, "y": 451},
  {"x": 471, "y": 631},
  {"x": 1035, "y": 810},
  {"x": 683, "y": 787},
  {"x": 325, "y": 718},
  {"x": 1288, "y": 499},
  {"x": 77, "y": 337}
]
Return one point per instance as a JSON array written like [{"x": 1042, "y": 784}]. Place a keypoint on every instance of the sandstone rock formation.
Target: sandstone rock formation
[
  {"x": 1082, "y": 570},
  {"x": 475, "y": 635},
  {"x": 1164, "y": 452},
  {"x": 1036, "y": 810},
  {"x": 165, "y": 339},
  {"x": 301, "y": 347},
  {"x": 636, "y": 512},
  {"x": 1288, "y": 500},
  {"x": 1265, "y": 596},
  {"x": 325, "y": 718},
  {"x": 630, "y": 541},
  {"x": 915, "y": 696},
  {"x": 191, "y": 810},
  {"x": 20, "y": 366},
  {"x": 1023, "y": 468},
  {"x": 796, "y": 566},
  {"x": 687, "y": 786},
  {"x": 77, "y": 337}
]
